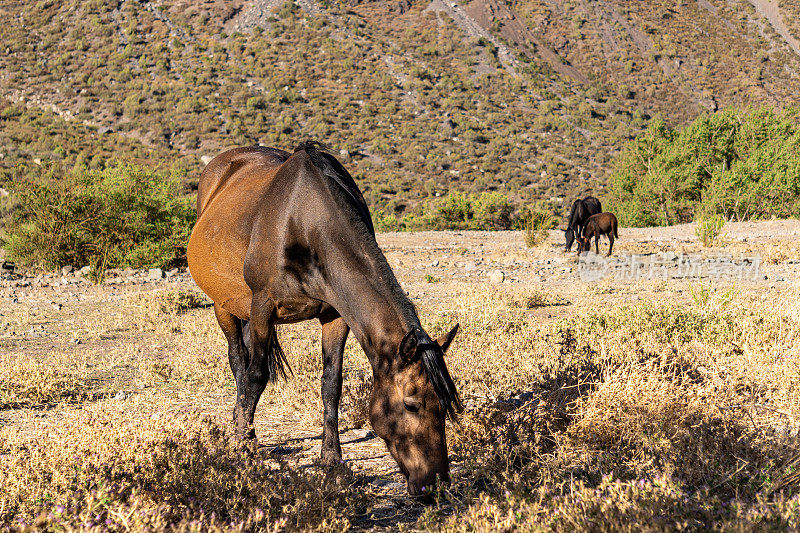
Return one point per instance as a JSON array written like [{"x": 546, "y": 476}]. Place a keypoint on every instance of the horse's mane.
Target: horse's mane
[
  {"x": 432, "y": 358},
  {"x": 331, "y": 168}
]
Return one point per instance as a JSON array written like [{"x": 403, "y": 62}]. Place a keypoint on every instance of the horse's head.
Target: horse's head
[
  {"x": 569, "y": 234},
  {"x": 583, "y": 244},
  {"x": 408, "y": 407}
]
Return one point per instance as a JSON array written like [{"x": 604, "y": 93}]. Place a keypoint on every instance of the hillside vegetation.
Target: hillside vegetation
[
  {"x": 741, "y": 165},
  {"x": 534, "y": 105}
]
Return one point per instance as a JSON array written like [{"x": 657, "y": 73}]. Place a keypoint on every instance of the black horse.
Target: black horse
[
  {"x": 285, "y": 237},
  {"x": 580, "y": 213}
]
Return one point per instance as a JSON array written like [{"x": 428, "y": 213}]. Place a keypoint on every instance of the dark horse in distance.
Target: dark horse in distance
[
  {"x": 285, "y": 237},
  {"x": 580, "y": 213}
]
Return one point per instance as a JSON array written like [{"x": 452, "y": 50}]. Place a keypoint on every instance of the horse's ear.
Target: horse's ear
[
  {"x": 445, "y": 340},
  {"x": 408, "y": 347}
]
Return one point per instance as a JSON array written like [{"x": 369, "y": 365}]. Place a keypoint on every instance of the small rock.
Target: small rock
[
  {"x": 56, "y": 306},
  {"x": 155, "y": 273},
  {"x": 497, "y": 276},
  {"x": 206, "y": 159},
  {"x": 85, "y": 270},
  {"x": 344, "y": 153},
  {"x": 435, "y": 263},
  {"x": 120, "y": 395},
  {"x": 469, "y": 266},
  {"x": 171, "y": 273},
  {"x": 3, "y": 192}
]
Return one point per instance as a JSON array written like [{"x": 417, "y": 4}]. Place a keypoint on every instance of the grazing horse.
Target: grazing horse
[
  {"x": 599, "y": 224},
  {"x": 580, "y": 213},
  {"x": 285, "y": 237}
]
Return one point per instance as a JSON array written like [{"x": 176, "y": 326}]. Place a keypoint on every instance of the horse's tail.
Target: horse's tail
[{"x": 276, "y": 359}]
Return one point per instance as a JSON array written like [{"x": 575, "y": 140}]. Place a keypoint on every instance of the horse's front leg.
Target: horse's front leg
[{"x": 334, "y": 335}]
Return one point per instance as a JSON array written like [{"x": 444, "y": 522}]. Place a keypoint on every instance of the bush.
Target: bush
[
  {"x": 741, "y": 164},
  {"x": 125, "y": 216},
  {"x": 709, "y": 229},
  {"x": 535, "y": 228},
  {"x": 455, "y": 211}
]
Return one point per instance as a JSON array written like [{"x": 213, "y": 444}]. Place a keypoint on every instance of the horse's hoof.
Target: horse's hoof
[{"x": 330, "y": 460}]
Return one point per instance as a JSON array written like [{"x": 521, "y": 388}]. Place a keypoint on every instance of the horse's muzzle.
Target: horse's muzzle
[{"x": 425, "y": 488}]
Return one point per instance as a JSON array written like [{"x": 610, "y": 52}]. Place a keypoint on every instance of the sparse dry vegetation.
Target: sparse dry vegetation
[
  {"x": 679, "y": 407},
  {"x": 418, "y": 106}
]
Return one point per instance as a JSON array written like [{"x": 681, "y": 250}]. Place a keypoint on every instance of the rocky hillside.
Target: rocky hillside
[{"x": 529, "y": 97}]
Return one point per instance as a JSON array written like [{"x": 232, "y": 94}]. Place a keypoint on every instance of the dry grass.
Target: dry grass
[
  {"x": 113, "y": 471},
  {"x": 669, "y": 413}
]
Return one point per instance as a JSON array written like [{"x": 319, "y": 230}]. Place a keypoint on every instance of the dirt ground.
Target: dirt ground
[{"x": 61, "y": 315}]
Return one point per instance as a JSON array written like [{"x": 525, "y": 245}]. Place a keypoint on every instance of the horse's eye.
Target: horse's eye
[{"x": 411, "y": 405}]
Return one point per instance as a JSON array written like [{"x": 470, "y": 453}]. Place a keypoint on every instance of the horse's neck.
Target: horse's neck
[{"x": 372, "y": 303}]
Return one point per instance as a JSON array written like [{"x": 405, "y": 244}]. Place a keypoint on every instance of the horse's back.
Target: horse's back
[
  {"x": 227, "y": 199},
  {"x": 592, "y": 205},
  {"x": 604, "y": 222}
]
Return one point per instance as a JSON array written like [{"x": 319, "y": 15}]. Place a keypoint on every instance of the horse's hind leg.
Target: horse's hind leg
[
  {"x": 238, "y": 354},
  {"x": 266, "y": 362},
  {"x": 334, "y": 335},
  {"x": 610, "y": 243}
]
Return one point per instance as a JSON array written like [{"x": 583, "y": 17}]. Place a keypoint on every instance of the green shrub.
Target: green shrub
[
  {"x": 709, "y": 229},
  {"x": 492, "y": 211},
  {"x": 120, "y": 216},
  {"x": 460, "y": 211},
  {"x": 741, "y": 164},
  {"x": 455, "y": 211}
]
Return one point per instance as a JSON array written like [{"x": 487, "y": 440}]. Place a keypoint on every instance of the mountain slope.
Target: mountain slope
[{"x": 531, "y": 98}]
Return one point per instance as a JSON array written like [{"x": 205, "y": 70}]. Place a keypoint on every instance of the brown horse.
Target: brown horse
[
  {"x": 286, "y": 237},
  {"x": 597, "y": 225}
]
